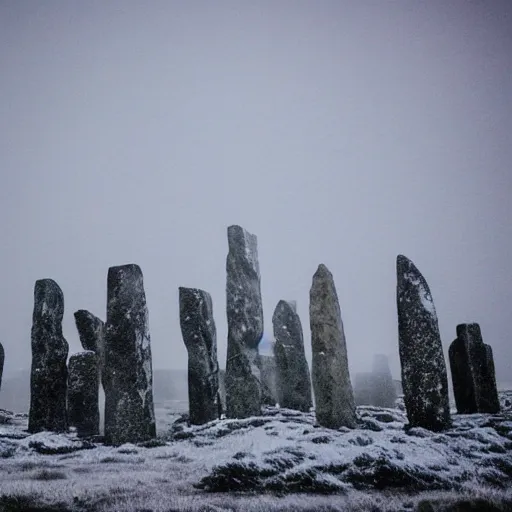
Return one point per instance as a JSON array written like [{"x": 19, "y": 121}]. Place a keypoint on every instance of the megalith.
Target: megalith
[
  {"x": 128, "y": 375},
  {"x": 473, "y": 375},
  {"x": 200, "y": 338},
  {"x": 383, "y": 392},
  {"x": 245, "y": 325},
  {"x": 91, "y": 333},
  {"x": 334, "y": 398},
  {"x": 424, "y": 377},
  {"x": 294, "y": 380},
  {"x": 48, "y": 377},
  {"x": 2, "y": 359},
  {"x": 268, "y": 372},
  {"x": 83, "y": 383}
]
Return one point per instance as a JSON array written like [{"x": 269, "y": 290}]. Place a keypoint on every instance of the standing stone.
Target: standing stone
[
  {"x": 83, "y": 410},
  {"x": 91, "y": 333},
  {"x": 334, "y": 398},
  {"x": 268, "y": 370},
  {"x": 294, "y": 381},
  {"x": 129, "y": 410},
  {"x": 363, "y": 384},
  {"x": 2, "y": 358},
  {"x": 383, "y": 392},
  {"x": 200, "y": 337},
  {"x": 473, "y": 375},
  {"x": 424, "y": 378},
  {"x": 245, "y": 325},
  {"x": 48, "y": 378}
]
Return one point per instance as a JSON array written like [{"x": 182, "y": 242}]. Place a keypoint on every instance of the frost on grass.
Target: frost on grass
[{"x": 282, "y": 457}]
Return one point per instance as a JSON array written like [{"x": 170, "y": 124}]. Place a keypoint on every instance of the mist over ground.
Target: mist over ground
[{"x": 341, "y": 133}]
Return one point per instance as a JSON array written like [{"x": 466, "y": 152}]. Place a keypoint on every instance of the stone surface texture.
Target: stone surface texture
[
  {"x": 48, "y": 377},
  {"x": 91, "y": 331},
  {"x": 83, "y": 385},
  {"x": 128, "y": 375},
  {"x": 268, "y": 371},
  {"x": 334, "y": 398},
  {"x": 245, "y": 325},
  {"x": 472, "y": 368},
  {"x": 200, "y": 338},
  {"x": 424, "y": 377},
  {"x": 294, "y": 380}
]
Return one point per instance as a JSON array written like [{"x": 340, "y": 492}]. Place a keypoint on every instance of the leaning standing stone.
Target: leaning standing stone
[
  {"x": 83, "y": 410},
  {"x": 91, "y": 333},
  {"x": 129, "y": 410},
  {"x": 200, "y": 338},
  {"x": 472, "y": 367},
  {"x": 424, "y": 378},
  {"x": 294, "y": 381},
  {"x": 48, "y": 378},
  {"x": 245, "y": 325},
  {"x": 334, "y": 398}
]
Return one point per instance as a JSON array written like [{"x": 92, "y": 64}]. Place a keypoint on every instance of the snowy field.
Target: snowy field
[{"x": 275, "y": 462}]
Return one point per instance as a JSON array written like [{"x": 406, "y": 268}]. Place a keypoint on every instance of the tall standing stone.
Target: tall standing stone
[
  {"x": 83, "y": 410},
  {"x": 245, "y": 325},
  {"x": 129, "y": 410},
  {"x": 48, "y": 378},
  {"x": 424, "y": 377},
  {"x": 294, "y": 381},
  {"x": 334, "y": 398},
  {"x": 200, "y": 338},
  {"x": 2, "y": 359},
  {"x": 91, "y": 331},
  {"x": 473, "y": 375},
  {"x": 383, "y": 388}
]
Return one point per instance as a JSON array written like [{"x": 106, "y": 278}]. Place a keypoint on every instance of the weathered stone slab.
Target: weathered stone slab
[
  {"x": 200, "y": 338},
  {"x": 245, "y": 325},
  {"x": 294, "y": 380},
  {"x": 91, "y": 331},
  {"x": 83, "y": 384},
  {"x": 128, "y": 376},
  {"x": 48, "y": 379},
  {"x": 424, "y": 377},
  {"x": 334, "y": 399},
  {"x": 472, "y": 368}
]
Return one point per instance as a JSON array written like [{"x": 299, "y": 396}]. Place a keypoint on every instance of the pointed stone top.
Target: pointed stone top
[
  {"x": 286, "y": 305},
  {"x": 322, "y": 271},
  {"x": 292, "y": 304}
]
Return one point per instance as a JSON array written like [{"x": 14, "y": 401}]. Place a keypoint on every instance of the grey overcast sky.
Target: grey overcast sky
[{"x": 341, "y": 132}]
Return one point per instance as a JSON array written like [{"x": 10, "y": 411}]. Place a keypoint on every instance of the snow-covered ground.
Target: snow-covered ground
[{"x": 280, "y": 460}]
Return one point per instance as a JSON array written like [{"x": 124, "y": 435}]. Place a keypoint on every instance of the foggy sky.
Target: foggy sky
[{"x": 341, "y": 133}]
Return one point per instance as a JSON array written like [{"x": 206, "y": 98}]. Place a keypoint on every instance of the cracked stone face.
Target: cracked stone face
[
  {"x": 245, "y": 325},
  {"x": 128, "y": 375},
  {"x": 424, "y": 377},
  {"x": 200, "y": 338},
  {"x": 48, "y": 378},
  {"x": 334, "y": 398},
  {"x": 83, "y": 386},
  {"x": 473, "y": 375},
  {"x": 294, "y": 381}
]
